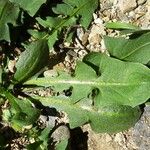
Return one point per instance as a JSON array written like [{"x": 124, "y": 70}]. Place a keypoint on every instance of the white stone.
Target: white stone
[
  {"x": 127, "y": 5},
  {"x": 50, "y": 73},
  {"x": 140, "y": 2},
  {"x": 11, "y": 65},
  {"x": 108, "y": 138}
]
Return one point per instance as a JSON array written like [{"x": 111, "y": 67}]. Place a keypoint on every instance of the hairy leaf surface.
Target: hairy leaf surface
[
  {"x": 136, "y": 50},
  {"x": 112, "y": 81},
  {"x": 111, "y": 118}
]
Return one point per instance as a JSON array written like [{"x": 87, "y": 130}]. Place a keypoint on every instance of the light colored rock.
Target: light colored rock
[
  {"x": 94, "y": 36},
  {"x": 50, "y": 73},
  {"x": 62, "y": 132},
  {"x": 127, "y": 5},
  {"x": 141, "y": 132},
  {"x": 140, "y": 2},
  {"x": 119, "y": 138},
  {"x": 11, "y": 65},
  {"x": 108, "y": 138},
  {"x": 80, "y": 33}
]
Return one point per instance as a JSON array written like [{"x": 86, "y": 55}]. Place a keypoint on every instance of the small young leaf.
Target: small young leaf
[
  {"x": 121, "y": 26},
  {"x": 44, "y": 136},
  {"x": 52, "y": 39},
  {"x": 27, "y": 116},
  {"x": 32, "y": 60},
  {"x": 37, "y": 34},
  {"x": 8, "y": 14},
  {"x": 22, "y": 112},
  {"x": 126, "y": 28},
  {"x": 136, "y": 50}
]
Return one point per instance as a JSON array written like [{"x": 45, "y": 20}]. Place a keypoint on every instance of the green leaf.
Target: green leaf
[
  {"x": 134, "y": 32},
  {"x": 36, "y": 145},
  {"x": 126, "y": 28},
  {"x": 56, "y": 25},
  {"x": 114, "y": 118},
  {"x": 122, "y": 83},
  {"x": 111, "y": 118},
  {"x": 22, "y": 112},
  {"x": 121, "y": 26},
  {"x": 69, "y": 11},
  {"x": 27, "y": 116},
  {"x": 62, "y": 145},
  {"x": 1, "y": 102},
  {"x": 32, "y": 60},
  {"x": 8, "y": 15},
  {"x": 83, "y": 8},
  {"x": 31, "y": 6},
  {"x": 52, "y": 39},
  {"x": 63, "y": 9},
  {"x": 136, "y": 50},
  {"x": 42, "y": 140},
  {"x": 37, "y": 34}
]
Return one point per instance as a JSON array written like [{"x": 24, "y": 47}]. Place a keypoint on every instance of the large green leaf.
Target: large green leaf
[
  {"x": 31, "y": 6},
  {"x": 32, "y": 60},
  {"x": 112, "y": 118},
  {"x": 136, "y": 50},
  {"x": 8, "y": 15},
  {"x": 122, "y": 83}
]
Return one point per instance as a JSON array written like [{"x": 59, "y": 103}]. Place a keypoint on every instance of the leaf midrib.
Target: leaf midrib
[
  {"x": 3, "y": 10},
  {"x": 138, "y": 48},
  {"x": 64, "y": 21},
  {"x": 29, "y": 70},
  {"x": 82, "y": 82}
]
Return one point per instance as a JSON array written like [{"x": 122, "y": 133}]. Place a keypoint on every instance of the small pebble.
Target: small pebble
[{"x": 50, "y": 73}]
